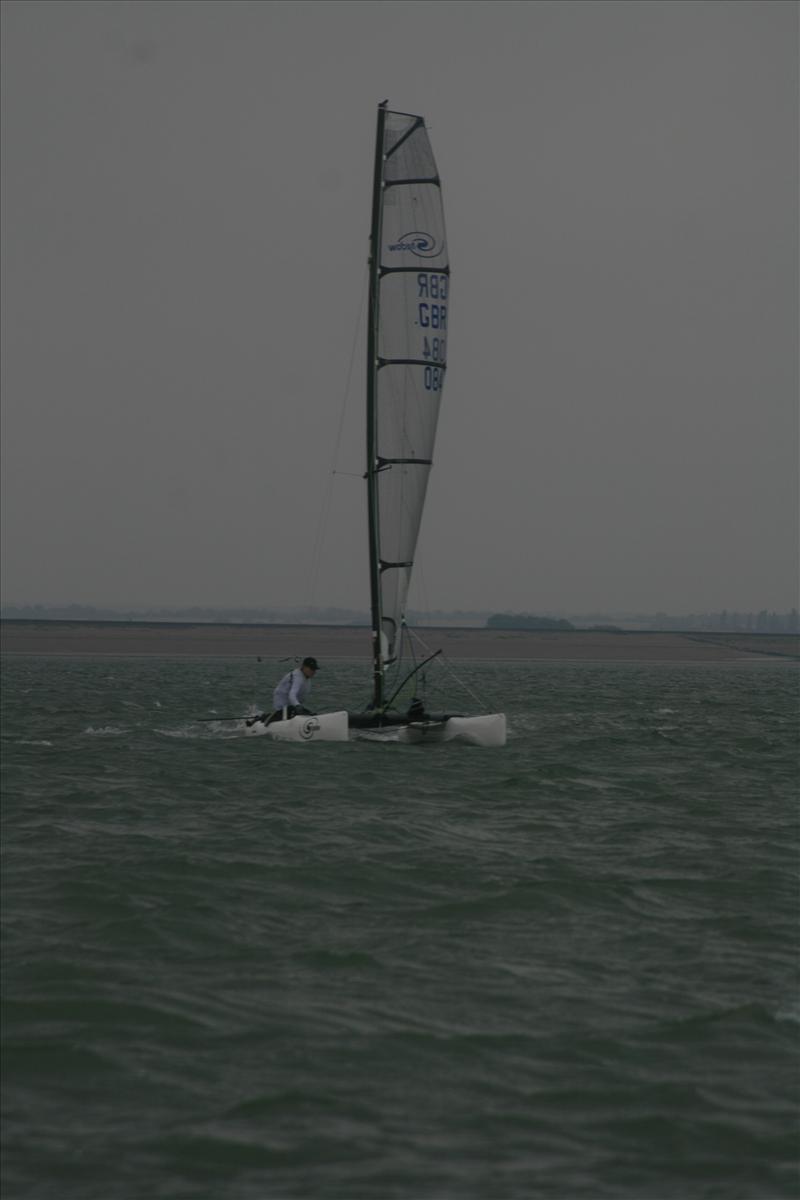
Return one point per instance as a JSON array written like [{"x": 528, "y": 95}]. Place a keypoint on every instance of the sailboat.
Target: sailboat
[{"x": 409, "y": 290}]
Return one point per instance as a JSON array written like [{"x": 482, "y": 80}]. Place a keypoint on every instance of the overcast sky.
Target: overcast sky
[{"x": 185, "y": 201}]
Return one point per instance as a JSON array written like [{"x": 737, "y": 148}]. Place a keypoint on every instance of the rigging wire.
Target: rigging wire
[
  {"x": 421, "y": 586},
  {"x": 447, "y": 666},
  {"x": 322, "y": 524}
]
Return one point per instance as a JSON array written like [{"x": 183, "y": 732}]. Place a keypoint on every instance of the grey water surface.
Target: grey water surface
[{"x": 236, "y": 969}]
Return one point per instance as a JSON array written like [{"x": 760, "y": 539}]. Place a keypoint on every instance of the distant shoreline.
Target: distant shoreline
[{"x": 181, "y": 639}]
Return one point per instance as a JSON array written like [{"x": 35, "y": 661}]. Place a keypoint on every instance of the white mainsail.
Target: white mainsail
[{"x": 409, "y": 302}]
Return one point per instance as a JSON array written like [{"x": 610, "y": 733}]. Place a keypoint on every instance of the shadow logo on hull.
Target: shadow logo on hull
[{"x": 309, "y": 728}]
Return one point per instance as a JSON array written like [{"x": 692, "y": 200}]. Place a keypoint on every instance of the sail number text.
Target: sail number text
[{"x": 432, "y": 290}]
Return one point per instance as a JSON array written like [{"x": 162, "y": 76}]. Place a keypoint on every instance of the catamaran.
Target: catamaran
[{"x": 409, "y": 294}]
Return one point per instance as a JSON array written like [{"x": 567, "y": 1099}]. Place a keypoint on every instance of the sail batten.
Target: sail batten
[
  {"x": 407, "y": 354},
  {"x": 408, "y": 270},
  {"x": 434, "y": 181}
]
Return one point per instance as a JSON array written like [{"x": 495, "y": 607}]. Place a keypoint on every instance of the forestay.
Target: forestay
[{"x": 409, "y": 301}]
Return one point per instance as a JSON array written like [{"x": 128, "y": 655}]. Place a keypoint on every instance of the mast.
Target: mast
[{"x": 372, "y": 431}]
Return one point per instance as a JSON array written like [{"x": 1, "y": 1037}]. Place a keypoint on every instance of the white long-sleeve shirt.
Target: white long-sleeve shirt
[{"x": 292, "y": 690}]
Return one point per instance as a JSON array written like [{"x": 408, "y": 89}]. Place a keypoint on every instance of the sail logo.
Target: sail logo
[{"x": 421, "y": 244}]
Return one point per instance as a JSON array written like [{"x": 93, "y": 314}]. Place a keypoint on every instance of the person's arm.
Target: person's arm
[{"x": 294, "y": 698}]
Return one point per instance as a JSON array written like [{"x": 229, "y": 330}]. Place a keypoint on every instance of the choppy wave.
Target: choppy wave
[{"x": 239, "y": 968}]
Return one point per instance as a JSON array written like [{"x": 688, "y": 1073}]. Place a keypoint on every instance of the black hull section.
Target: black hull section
[{"x": 390, "y": 720}]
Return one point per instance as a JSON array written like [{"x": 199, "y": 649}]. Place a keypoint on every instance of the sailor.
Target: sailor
[{"x": 291, "y": 692}]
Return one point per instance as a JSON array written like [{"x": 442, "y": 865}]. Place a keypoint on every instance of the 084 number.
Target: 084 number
[{"x": 434, "y": 378}]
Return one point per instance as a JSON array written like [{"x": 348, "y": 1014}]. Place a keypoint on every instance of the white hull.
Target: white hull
[
  {"x": 325, "y": 727},
  {"x": 489, "y": 730}
]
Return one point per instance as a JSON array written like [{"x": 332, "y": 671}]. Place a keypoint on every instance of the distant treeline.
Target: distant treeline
[
  {"x": 730, "y": 622},
  {"x": 295, "y": 615},
  {"x": 726, "y": 621},
  {"x": 721, "y": 622},
  {"x": 526, "y": 621}
]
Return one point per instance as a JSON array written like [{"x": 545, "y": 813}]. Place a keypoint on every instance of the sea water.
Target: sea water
[{"x": 237, "y": 969}]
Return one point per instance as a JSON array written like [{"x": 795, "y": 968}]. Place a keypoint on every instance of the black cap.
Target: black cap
[{"x": 311, "y": 662}]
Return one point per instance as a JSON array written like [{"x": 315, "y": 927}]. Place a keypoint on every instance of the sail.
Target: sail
[{"x": 410, "y": 290}]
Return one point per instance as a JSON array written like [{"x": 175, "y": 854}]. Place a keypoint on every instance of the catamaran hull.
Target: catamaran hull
[
  {"x": 325, "y": 727},
  {"x": 489, "y": 730}
]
